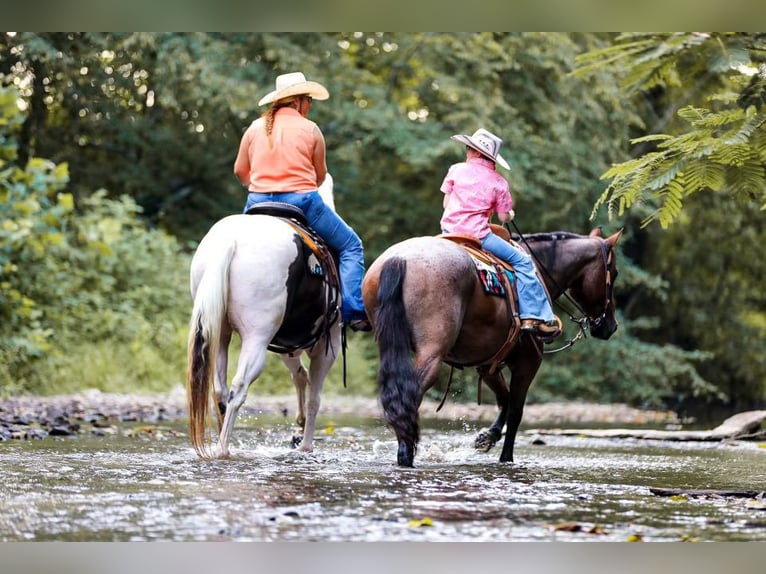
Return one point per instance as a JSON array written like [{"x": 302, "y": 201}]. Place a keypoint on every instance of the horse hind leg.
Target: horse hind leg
[
  {"x": 496, "y": 382},
  {"x": 219, "y": 382},
  {"x": 252, "y": 360},
  {"x": 322, "y": 358},
  {"x": 300, "y": 379},
  {"x": 427, "y": 370}
]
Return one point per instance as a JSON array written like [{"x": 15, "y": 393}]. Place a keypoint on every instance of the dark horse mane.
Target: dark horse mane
[{"x": 551, "y": 236}]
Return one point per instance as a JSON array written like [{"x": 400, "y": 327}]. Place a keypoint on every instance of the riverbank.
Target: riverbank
[{"x": 92, "y": 411}]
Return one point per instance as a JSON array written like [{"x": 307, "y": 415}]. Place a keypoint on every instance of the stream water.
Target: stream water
[{"x": 145, "y": 483}]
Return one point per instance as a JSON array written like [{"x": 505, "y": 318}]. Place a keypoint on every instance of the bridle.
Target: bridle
[
  {"x": 607, "y": 254},
  {"x": 585, "y": 321}
]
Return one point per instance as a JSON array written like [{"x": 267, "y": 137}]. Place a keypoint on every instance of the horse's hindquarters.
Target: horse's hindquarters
[{"x": 244, "y": 273}]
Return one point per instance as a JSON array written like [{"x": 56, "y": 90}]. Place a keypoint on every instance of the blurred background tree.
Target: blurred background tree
[{"x": 141, "y": 130}]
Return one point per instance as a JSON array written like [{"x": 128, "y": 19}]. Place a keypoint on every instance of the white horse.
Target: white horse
[{"x": 255, "y": 275}]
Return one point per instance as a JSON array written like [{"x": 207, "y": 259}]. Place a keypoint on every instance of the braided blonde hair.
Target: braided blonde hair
[{"x": 271, "y": 112}]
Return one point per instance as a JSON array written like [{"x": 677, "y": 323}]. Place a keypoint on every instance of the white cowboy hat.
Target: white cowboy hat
[
  {"x": 484, "y": 142},
  {"x": 295, "y": 84}
]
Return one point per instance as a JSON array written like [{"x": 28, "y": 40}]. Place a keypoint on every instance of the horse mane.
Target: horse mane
[{"x": 548, "y": 236}]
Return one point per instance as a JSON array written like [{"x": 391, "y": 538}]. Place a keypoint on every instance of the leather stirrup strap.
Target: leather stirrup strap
[{"x": 515, "y": 327}]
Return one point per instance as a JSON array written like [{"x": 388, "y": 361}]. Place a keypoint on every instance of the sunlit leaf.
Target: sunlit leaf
[{"x": 756, "y": 504}]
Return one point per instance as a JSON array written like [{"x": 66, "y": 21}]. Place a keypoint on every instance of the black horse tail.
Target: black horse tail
[{"x": 397, "y": 380}]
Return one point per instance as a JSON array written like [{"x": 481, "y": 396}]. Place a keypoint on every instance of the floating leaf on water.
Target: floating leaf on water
[
  {"x": 418, "y": 523},
  {"x": 566, "y": 527},
  {"x": 689, "y": 538},
  {"x": 679, "y": 498},
  {"x": 636, "y": 537},
  {"x": 329, "y": 430},
  {"x": 756, "y": 504}
]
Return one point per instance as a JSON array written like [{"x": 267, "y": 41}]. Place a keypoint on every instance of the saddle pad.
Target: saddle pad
[
  {"x": 489, "y": 279},
  {"x": 486, "y": 263},
  {"x": 314, "y": 266}
]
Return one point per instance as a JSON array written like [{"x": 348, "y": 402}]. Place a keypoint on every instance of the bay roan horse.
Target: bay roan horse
[
  {"x": 254, "y": 275},
  {"x": 424, "y": 299}
]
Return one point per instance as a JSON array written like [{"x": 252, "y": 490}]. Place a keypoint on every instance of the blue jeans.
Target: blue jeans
[
  {"x": 338, "y": 235},
  {"x": 533, "y": 300}
]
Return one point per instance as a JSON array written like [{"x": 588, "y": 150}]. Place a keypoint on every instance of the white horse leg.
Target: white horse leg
[
  {"x": 321, "y": 362},
  {"x": 219, "y": 382},
  {"x": 300, "y": 379},
  {"x": 251, "y": 363}
]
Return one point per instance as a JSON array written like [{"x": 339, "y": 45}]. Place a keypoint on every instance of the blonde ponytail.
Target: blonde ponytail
[{"x": 269, "y": 114}]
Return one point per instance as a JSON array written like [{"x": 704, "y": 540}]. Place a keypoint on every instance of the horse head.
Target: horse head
[
  {"x": 583, "y": 267},
  {"x": 594, "y": 289}
]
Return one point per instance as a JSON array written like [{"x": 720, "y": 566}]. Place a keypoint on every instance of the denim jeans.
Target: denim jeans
[
  {"x": 533, "y": 300},
  {"x": 338, "y": 235}
]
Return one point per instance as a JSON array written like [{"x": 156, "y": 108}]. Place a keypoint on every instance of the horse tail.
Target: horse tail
[
  {"x": 397, "y": 380},
  {"x": 207, "y": 317}
]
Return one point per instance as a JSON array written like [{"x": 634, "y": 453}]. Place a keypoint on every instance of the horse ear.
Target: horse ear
[
  {"x": 612, "y": 239},
  {"x": 596, "y": 232}
]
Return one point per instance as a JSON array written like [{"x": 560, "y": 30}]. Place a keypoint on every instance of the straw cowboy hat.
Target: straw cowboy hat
[
  {"x": 484, "y": 142},
  {"x": 295, "y": 84}
]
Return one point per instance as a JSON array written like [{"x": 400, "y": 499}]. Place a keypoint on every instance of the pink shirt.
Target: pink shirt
[{"x": 474, "y": 190}]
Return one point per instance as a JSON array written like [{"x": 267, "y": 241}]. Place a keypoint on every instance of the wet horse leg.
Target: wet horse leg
[
  {"x": 252, "y": 360},
  {"x": 428, "y": 362},
  {"x": 322, "y": 357},
  {"x": 496, "y": 382},
  {"x": 524, "y": 362},
  {"x": 221, "y": 367},
  {"x": 300, "y": 379}
]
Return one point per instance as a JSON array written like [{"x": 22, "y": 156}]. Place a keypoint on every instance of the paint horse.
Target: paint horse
[
  {"x": 270, "y": 279},
  {"x": 424, "y": 298}
]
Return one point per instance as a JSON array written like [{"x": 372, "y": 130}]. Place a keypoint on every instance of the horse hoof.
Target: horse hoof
[
  {"x": 485, "y": 441},
  {"x": 483, "y": 446},
  {"x": 405, "y": 456}
]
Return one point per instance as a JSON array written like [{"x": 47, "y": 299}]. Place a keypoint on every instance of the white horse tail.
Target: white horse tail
[{"x": 208, "y": 314}]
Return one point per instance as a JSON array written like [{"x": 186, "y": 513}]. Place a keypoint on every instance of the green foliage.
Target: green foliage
[
  {"x": 724, "y": 152},
  {"x": 713, "y": 261},
  {"x": 718, "y": 143},
  {"x": 665, "y": 376},
  {"x": 85, "y": 289}
]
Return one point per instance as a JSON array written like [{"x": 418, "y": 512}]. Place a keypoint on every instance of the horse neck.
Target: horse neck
[{"x": 562, "y": 258}]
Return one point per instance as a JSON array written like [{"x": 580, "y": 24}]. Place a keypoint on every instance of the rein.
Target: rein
[{"x": 581, "y": 322}]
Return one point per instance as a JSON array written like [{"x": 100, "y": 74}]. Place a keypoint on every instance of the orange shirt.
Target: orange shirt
[{"x": 287, "y": 162}]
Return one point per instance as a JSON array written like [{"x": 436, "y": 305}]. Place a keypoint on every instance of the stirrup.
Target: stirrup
[{"x": 360, "y": 325}]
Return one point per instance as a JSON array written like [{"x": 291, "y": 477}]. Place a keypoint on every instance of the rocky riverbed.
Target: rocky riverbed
[{"x": 96, "y": 413}]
